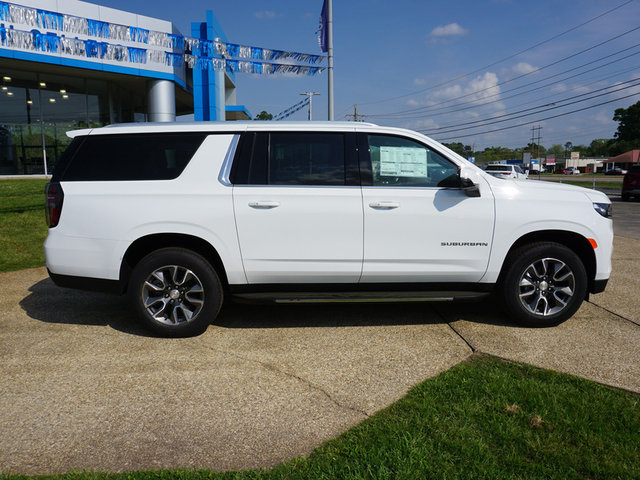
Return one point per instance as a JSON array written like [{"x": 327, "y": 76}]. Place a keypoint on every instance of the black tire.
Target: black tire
[
  {"x": 625, "y": 196},
  {"x": 544, "y": 284},
  {"x": 175, "y": 292}
]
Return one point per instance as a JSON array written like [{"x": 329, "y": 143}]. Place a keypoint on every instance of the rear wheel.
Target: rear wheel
[
  {"x": 175, "y": 292},
  {"x": 544, "y": 284}
]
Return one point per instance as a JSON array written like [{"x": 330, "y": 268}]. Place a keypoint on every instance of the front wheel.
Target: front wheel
[
  {"x": 544, "y": 284},
  {"x": 175, "y": 292}
]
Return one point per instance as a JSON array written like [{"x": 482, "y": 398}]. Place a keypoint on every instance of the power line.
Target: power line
[
  {"x": 525, "y": 74},
  {"x": 552, "y": 106},
  {"x": 500, "y": 61},
  {"x": 538, "y": 120},
  {"x": 470, "y": 104}
]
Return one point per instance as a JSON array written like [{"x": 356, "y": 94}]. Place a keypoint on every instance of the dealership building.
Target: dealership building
[{"x": 67, "y": 64}]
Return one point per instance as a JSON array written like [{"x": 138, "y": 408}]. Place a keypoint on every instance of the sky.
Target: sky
[{"x": 457, "y": 70}]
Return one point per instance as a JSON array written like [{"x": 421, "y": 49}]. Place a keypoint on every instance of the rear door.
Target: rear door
[{"x": 298, "y": 207}]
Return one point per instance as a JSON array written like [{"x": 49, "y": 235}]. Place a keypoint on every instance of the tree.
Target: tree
[
  {"x": 628, "y": 124},
  {"x": 599, "y": 147},
  {"x": 496, "y": 154},
  {"x": 463, "y": 150},
  {"x": 264, "y": 115},
  {"x": 557, "y": 150},
  {"x": 537, "y": 151}
]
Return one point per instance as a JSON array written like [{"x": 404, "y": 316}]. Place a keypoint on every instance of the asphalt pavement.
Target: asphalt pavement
[
  {"x": 84, "y": 388},
  {"x": 626, "y": 217}
]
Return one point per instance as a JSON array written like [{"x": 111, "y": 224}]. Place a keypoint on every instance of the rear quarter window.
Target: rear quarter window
[{"x": 156, "y": 156}]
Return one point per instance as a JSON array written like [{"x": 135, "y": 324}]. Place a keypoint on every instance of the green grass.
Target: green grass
[
  {"x": 483, "y": 419},
  {"x": 22, "y": 224},
  {"x": 599, "y": 184}
]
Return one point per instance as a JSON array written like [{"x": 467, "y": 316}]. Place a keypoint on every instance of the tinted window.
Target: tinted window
[
  {"x": 398, "y": 161},
  {"x": 66, "y": 158},
  {"x": 498, "y": 168},
  {"x": 635, "y": 169},
  {"x": 306, "y": 159},
  {"x": 132, "y": 157},
  {"x": 250, "y": 162}
]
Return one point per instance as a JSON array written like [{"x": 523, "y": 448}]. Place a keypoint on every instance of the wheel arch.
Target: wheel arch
[
  {"x": 574, "y": 241},
  {"x": 149, "y": 243}
]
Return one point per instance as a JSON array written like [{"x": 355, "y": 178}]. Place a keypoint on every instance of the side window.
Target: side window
[
  {"x": 398, "y": 161},
  {"x": 132, "y": 156},
  {"x": 306, "y": 159}
]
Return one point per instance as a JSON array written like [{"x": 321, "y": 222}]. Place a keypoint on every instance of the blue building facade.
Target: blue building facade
[{"x": 209, "y": 99}]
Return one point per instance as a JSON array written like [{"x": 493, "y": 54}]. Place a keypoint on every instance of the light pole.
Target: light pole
[{"x": 310, "y": 95}]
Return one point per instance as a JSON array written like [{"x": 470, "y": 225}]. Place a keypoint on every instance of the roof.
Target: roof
[
  {"x": 220, "y": 126},
  {"x": 628, "y": 157}
]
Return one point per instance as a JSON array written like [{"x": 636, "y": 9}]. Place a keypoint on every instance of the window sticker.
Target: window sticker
[{"x": 403, "y": 162}]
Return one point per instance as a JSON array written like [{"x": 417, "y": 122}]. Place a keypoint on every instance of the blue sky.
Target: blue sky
[{"x": 405, "y": 56}]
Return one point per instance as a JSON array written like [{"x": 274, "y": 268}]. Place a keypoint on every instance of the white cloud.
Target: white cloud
[
  {"x": 428, "y": 124},
  {"x": 265, "y": 14},
  {"x": 523, "y": 68},
  {"x": 559, "y": 88},
  {"x": 449, "y": 92},
  {"x": 419, "y": 81},
  {"x": 480, "y": 90},
  {"x": 449, "y": 30},
  {"x": 484, "y": 87},
  {"x": 603, "y": 118},
  {"x": 622, "y": 92},
  {"x": 412, "y": 103}
]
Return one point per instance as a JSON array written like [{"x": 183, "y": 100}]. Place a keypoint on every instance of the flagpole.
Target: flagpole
[{"x": 330, "y": 55}]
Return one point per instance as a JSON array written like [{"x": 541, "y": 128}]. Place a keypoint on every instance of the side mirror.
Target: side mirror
[{"x": 470, "y": 188}]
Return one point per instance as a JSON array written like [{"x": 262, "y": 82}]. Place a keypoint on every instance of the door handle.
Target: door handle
[
  {"x": 265, "y": 205},
  {"x": 384, "y": 205}
]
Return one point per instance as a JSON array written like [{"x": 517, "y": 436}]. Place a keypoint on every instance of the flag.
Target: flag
[{"x": 323, "y": 32}]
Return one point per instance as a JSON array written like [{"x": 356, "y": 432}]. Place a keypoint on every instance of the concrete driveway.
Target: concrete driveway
[{"x": 82, "y": 387}]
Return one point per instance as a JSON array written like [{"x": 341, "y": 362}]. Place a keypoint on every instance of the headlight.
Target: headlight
[{"x": 603, "y": 209}]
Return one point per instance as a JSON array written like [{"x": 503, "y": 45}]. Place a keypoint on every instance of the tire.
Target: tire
[
  {"x": 175, "y": 292},
  {"x": 544, "y": 284}
]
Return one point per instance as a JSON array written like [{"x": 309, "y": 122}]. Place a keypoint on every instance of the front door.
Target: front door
[{"x": 416, "y": 228}]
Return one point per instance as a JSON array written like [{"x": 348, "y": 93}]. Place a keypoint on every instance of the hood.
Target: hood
[{"x": 538, "y": 188}]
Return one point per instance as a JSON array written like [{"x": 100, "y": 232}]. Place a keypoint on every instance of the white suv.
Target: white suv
[
  {"x": 506, "y": 171},
  {"x": 180, "y": 216}
]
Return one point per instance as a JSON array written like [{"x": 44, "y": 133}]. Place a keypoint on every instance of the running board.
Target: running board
[{"x": 360, "y": 297}]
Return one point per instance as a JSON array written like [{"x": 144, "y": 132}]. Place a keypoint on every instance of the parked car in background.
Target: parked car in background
[
  {"x": 506, "y": 171},
  {"x": 631, "y": 183},
  {"x": 615, "y": 171},
  {"x": 571, "y": 171}
]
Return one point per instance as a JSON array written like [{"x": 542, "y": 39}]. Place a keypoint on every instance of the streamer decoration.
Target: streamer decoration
[{"x": 50, "y": 32}]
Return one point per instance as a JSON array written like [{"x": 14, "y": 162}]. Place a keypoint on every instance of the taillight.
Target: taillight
[{"x": 53, "y": 203}]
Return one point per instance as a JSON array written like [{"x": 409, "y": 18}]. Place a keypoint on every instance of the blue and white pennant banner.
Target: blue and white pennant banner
[
  {"x": 293, "y": 109},
  {"x": 193, "y": 52}
]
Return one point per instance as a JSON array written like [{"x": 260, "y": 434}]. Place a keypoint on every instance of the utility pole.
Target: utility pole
[
  {"x": 537, "y": 146},
  {"x": 330, "y": 56},
  {"x": 310, "y": 95},
  {"x": 356, "y": 117},
  {"x": 538, "y": 149}
]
